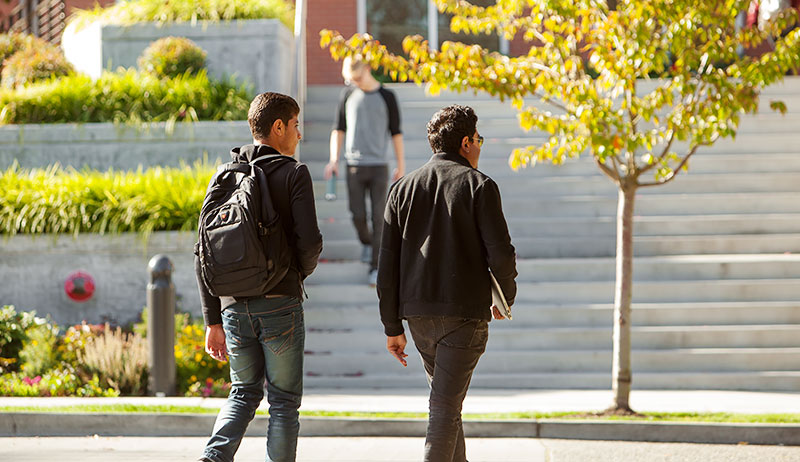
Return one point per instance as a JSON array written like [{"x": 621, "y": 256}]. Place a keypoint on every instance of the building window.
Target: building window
[
  {"x": 390, "y": 21},
  {"x": 490, "y": 42}
]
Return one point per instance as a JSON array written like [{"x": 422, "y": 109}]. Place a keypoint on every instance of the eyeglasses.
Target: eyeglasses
[{"x": 479, "y": 140}]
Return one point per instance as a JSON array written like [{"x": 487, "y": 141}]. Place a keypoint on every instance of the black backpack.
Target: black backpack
[{"x": 242, "y": 245}]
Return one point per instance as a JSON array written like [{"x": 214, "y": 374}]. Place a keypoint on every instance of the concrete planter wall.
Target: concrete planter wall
[
  {"x": 258, "y": 52},
  {"x": 34, "y": 269},
  {"x": 104, "y": 145}
]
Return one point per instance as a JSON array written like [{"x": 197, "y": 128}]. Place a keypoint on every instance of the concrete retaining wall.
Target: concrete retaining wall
[
  {"x": 258, "y": 52},
  {"x": 105, "y": 145},
  {"x": 34, "y": 269}
]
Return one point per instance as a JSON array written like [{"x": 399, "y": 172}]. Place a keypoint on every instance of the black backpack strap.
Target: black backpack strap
[{"x": 268, "y": 213}]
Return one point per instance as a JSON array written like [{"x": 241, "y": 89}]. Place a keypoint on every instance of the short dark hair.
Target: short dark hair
[
  {"x": 268, "y": 107},
  {"x": 449, "y": 126}
]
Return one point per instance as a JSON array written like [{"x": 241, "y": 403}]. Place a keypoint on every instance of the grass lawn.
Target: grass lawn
[{"x": 644, "y": 417}]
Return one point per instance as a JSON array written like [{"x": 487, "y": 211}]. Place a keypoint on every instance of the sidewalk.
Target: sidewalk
[
  {"x": 478, "y": 401},
  {"x": 482, "y": 401}
]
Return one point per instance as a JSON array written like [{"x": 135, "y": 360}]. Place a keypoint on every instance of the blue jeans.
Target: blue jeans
[{"x": 265, "y": 339}]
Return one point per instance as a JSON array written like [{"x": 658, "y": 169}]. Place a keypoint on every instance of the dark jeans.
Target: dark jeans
[
  {"x": 265, "y": 338},
  {"x": 450, "y": 349},
  {"x": 372, "y": 179}
]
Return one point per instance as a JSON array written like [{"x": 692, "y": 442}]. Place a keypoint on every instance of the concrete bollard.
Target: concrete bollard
[{"x": 161, "y": 326}]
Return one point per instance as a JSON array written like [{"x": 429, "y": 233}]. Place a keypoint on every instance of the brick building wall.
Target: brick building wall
[{"x": 327, "y": 14}]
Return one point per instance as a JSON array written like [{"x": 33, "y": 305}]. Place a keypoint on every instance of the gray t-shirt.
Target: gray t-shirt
[{"x": 369, "y": 120}]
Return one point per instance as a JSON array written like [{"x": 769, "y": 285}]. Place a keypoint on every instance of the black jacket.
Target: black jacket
[
  {"x": 292, "y": 194},
  {"x": 443, "y": 230}
]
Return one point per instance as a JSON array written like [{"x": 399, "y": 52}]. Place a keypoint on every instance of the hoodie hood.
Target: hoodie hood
[{"x": 273, "y": 158}]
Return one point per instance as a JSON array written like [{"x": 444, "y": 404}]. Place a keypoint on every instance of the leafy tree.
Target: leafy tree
[{"x": 640, "y": 87}]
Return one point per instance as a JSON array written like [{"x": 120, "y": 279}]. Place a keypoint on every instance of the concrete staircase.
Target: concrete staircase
[{"x": 717, "y": 292}]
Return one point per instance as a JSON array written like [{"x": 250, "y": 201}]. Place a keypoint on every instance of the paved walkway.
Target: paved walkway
[
  {"x": 387, "y": 449},
  {"x": 489, "y": 401}
]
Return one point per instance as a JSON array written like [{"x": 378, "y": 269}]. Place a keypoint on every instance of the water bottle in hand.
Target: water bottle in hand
[{"x": 330, "y": 190}]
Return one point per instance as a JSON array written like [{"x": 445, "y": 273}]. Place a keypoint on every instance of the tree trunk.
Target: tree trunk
[{"x": 623, "y": 293}]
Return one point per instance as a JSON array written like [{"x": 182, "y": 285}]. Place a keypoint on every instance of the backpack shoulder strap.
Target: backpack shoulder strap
[{"x": 268, "y": 212}]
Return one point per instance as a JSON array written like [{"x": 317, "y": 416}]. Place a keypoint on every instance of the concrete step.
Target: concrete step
[
  {"x": 504, "y": 362},
  {"x": 605, "y": 246},
  {"x": 662, "y": 268},
  {"x": 787, "y": 91},
  {"x": 598, "y": 292},
  {"x": 757, "y": 381},
  {"x": 555, "y": 247},
  {"x": 505, "y": 124},
  {"x": 676, "y": 225},
  {"x": 526, "y": 183},
  {"x": 606, "y": 206},
  {"x": 414, "y": 124},
  {"x": 496, "y": 166},
  {"x": 504, "y": 338},
  {"x": 366, "y": 316},
  {"x": 746, "y": 143}
]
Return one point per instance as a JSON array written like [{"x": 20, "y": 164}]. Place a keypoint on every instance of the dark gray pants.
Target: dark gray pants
[
  {"x": 450, "y": 349},
  {"x": 372, "y": 180}
]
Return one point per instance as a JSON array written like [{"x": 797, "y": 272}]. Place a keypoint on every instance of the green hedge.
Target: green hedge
[
  {"x": 33, "y": 64},
  {"x": 134, "y": 11},
  {"x": 57, "y": 200},
  {"x": 172, "y": 56},
  {"x": 125, "y": 96}
]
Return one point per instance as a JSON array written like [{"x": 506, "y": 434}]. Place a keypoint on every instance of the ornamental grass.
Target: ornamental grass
[
  {"x": 66, "y": 200},
  {"x": 125, "y": 96},
  {"x": 129, "y": 12}
]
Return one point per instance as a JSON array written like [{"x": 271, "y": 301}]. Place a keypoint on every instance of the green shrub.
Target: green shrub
[
  {"x": 65, "y": 381},
  {"x": 210, "y": 388},
  {"x": 197, "y": 371},
  {"x": 135, "y": 11},
  {"x": 38, "y": 61},
  {"x": 10, "y": 44},
  {"x": 198, "y": 374},
  {"x": 172, "y": 56},
  {"x": 119, "y": 359},
  {"x": 13, "y": 42},
  {"x": 56, "y": 200},
  {"x": 74, "y": 341},
  {"x": 39, "y": 353},
  {"x": 127, "y": 96},
  {"x": 13, "y": 335}
]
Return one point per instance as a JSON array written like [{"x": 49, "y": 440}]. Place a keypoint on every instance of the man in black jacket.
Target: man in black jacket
[
  {"x": 443, "y": 231},
  {"x": 264, "y": 336}
]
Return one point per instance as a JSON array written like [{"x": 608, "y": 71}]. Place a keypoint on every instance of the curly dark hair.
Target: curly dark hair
[
  {"x": 449, "y": 126},
  {"x": 268, "y": 107}
]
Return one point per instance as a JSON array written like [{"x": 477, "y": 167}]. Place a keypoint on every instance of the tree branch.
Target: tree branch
[
  {"x": 616, "y": 161},
  {"x": 613, "y": 174},
  {"x": 662, "y": 156},
  {"x": 677, "y": 170}
]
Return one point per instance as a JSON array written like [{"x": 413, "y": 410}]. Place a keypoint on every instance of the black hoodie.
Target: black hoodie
[{"x": 292, "y": 194}]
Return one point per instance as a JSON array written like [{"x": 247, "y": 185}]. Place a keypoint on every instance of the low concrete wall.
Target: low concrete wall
[
  {"x": 105, "y": 145},
  {"x": 33, "y": 271},
  {"x": 259, "y": 52}
]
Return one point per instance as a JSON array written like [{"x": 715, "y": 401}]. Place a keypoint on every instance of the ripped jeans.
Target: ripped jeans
[{"x": 265, "y": 339}]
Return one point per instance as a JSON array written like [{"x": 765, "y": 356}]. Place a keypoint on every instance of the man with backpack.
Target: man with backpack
[{"x": 259, "y": 240}]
